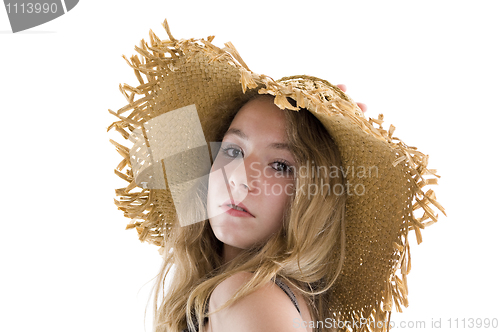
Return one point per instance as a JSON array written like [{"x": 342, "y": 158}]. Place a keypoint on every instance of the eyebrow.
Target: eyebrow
[{"x": 239, "y": 133}]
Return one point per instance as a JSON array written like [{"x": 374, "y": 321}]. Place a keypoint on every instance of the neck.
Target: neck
[{"x": 230, "y": 252}]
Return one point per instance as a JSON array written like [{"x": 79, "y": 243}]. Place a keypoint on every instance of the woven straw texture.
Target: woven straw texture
[{"x": 180, "y": 73}]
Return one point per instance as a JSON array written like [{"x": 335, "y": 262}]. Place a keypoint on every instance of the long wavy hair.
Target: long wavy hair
[{"x": 308, "y": 251}]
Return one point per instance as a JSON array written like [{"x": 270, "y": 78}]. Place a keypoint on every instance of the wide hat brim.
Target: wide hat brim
[{"x": 382, "y": 209}]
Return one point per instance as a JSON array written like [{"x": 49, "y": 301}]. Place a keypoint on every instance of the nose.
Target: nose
[{"x": 239, "y": 176}]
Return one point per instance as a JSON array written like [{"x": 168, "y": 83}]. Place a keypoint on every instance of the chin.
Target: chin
[{"x": 230, "y": 234}]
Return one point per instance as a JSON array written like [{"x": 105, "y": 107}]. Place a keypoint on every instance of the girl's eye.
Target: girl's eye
[
  {"x": 282, "y": 167},
  {"x": 232, "y": 151}
]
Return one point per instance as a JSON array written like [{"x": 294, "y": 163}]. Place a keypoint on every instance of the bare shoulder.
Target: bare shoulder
[
  {"x": 266, "y": 309},
  {"x": 226, "y": 289}
]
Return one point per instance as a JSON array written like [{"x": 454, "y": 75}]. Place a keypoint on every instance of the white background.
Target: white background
[{"x": 431, "y": 67}]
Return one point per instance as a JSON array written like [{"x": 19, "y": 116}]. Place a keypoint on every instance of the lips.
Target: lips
[{"x": 237, "y": 207}]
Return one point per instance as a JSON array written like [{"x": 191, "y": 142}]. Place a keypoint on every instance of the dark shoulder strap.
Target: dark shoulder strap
[
  {"x": 278, "y": 282},
  {"x": 288, "y": 292}
]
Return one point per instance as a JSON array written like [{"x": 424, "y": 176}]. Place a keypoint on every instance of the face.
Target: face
[{"x": 253, "y": 172}]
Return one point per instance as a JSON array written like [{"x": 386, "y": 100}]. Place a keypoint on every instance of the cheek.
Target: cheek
[
  {"x": 216, "y": 177},
  {"x": 215, "y": 181},
  {"x": 279, "y": 189},
  {"x": 277, "y": 194}
]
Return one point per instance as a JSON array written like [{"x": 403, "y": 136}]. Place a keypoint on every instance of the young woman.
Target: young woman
[
  {"x": 255, "y": 214},
  {"x": 299, "y": 223}
]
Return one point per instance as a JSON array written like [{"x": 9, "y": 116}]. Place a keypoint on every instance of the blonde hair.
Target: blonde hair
[{"x": 308, "y": 251}]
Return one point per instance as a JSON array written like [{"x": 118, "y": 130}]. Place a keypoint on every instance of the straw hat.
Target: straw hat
[{"x": 200, "y": 79}]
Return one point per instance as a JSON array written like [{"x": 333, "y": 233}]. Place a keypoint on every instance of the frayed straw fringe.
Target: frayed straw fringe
[{"x": 160, "y": 57}]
